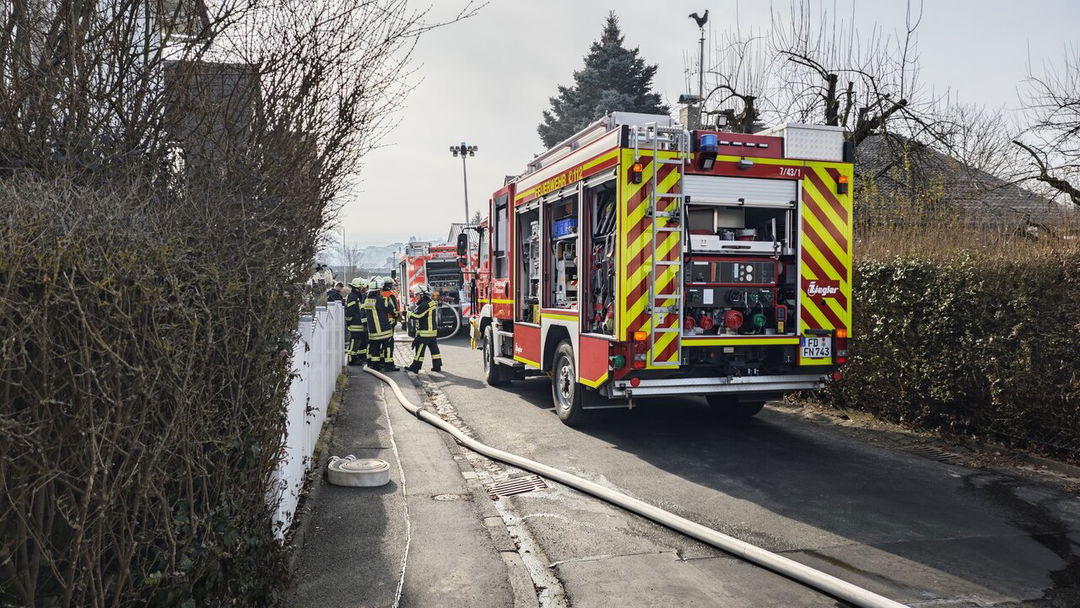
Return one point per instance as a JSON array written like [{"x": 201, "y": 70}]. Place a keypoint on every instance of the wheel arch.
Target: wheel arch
[{"x": 555, "y": 336}]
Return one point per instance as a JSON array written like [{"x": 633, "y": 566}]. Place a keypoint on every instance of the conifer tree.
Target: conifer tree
[{"x": 614, "y": 78}]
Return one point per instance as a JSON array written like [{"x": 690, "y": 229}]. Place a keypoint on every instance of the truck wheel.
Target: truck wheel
[
  {"x": 565, "y": 389},
  {"x": 730, "y": 409},
  {"x": 493, "y": 372}
]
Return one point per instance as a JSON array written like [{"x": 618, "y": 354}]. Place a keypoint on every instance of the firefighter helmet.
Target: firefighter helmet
[
  {"x": 373, "y": 283},
  {"x": 358, "y": 283}
]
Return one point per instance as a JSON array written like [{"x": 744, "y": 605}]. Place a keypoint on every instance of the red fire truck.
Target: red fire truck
[
  {"x": 639, "y": 259},
  {"x": 437, "y": 266}
]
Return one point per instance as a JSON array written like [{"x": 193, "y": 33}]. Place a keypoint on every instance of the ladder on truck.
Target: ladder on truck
[{"x": 666, "y": 212}]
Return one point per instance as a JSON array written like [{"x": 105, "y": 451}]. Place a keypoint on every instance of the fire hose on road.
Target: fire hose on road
[{"x": 806, "y": 575}]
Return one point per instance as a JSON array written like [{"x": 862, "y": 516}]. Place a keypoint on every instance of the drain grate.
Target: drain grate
[
  {"x": 935, "y": 453},
  {"x": 516, "y": 485}
]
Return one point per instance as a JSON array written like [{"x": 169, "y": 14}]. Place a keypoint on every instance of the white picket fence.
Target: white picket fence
[{"x": 318, "y": 356}]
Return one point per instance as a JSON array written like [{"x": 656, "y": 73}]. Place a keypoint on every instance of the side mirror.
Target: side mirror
[
  {"x": 462, "y": 244},
  {"x": 393, "y": 274}
]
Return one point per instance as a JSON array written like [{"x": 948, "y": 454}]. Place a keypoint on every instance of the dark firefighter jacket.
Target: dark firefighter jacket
[
  {"x": 382, "y": 316},
  {"x": 424, "y": 314},
  {"x": 369, "y": 311},
  {"x": 354, "y": 312}
]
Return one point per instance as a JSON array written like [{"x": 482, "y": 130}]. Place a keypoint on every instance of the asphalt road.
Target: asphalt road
[{"x": 919, "y": 531}]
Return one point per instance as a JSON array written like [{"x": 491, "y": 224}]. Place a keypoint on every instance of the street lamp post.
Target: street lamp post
[{"x": 464, "y": 150}]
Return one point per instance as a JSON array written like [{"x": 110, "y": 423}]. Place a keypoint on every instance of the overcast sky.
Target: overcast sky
[{"x": 487, "y": 79}]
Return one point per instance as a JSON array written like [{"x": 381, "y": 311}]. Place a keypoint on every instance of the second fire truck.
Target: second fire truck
[
  {"x": 438, "y": 267},
  {"x": 641, "y": 259}
]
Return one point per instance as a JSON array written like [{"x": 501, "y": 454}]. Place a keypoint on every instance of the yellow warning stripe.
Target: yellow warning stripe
[
  {"x": 561, "y": 317},
  {"x": 594, "y": 383},
  {"x": 604, "y": 157},
  {"x": 526, "y": 361},
  {"x": 690, "y": 341}
]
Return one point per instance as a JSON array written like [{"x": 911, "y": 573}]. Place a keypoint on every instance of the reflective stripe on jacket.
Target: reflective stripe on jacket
[
  {"x": 424, "y": 313},
  {"x": 383, "y": 314},
  {"x": 354, "y": 313},
  {"x": 369, "y": 316}
]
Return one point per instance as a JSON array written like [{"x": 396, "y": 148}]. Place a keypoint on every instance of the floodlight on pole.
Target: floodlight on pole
[{"x": 464, "y": 150}]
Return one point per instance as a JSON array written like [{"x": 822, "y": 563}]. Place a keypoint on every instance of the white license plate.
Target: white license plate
[{"x": 816, "y": 347}]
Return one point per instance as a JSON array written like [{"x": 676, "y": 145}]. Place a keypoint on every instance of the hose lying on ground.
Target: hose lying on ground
[{"x": 811, "y": 577}]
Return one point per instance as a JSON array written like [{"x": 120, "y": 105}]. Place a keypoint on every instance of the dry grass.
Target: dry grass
[{"x": 943, "y": 235}]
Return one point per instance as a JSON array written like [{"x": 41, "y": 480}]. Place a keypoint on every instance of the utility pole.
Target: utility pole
[
  {"x": 464, "y": 150},
  {"x": 701, "y": 21},
  {"x": 344, "y": 258}
]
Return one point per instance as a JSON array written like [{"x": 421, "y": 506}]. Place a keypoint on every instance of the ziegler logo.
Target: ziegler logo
[
  {"x": 518, "y": 349},
  {"x": 825, "y": 289}
]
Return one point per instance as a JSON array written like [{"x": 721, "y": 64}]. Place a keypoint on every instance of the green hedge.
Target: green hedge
[
  {"x": 144, "y": 362},
  {"x": 981, "y": 346}
]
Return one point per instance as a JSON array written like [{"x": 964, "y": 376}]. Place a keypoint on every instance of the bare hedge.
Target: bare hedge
[
  {"x": 143, "y": 365},
  {"x": 987, "y": 346}
]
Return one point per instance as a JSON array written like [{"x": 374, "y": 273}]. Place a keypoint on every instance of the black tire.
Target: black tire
[
  {"x": 729, "y": 409},
  {"x": 566, "y": 392},
  {"x": 493, "y": 372}
]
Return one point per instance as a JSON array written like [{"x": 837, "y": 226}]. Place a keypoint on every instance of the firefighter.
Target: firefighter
[
  {"x": 424, "y": 315},
  {"x": 374, "y": 353},
  {"x": 354, "y": 322},
  {"x": 385, "y": 315},
  {"x": 395, "y": 290}
]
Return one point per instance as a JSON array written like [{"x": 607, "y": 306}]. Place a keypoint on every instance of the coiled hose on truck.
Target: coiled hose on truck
[{"x": 804, "y": 574}]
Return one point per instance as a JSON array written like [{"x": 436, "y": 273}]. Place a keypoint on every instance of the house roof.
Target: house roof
[{"x": 895, "y": 166}]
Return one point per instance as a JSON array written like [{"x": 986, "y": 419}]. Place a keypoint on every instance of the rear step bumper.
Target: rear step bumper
[{"x": 708, "y": 386}]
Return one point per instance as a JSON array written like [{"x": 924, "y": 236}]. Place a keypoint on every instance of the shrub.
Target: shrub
[
  {"x": 143, "y": 368},
  {"x": 971, "y": 343}
]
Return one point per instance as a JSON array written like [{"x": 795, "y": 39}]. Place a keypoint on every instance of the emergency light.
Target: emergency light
[
  {"x": 635, "y": 172},
  {"x": 841, "y": 184},
  {"x": 707, "y": 147}
]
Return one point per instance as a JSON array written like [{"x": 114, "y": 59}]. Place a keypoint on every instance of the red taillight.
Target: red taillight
[
  {"x": 639, "y": 361},
  {"x": 635, "y": 382},
  {"x": 707, "y": 323},
  {"x": 841, "y": 346},
  {"x": 733, "y": 320},
  {"x": 836, "y": 376}
]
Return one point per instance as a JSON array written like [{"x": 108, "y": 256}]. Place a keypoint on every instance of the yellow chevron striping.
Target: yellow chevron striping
[
  {"x": 819, "y": 198},
  {"x": 811, "y": 307},
  {"x": 838, "y": 310},
  {"x": 823, "y": 234},
  {"x": 661, "y": 344},
  {"x": 830, "y": 272}
]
